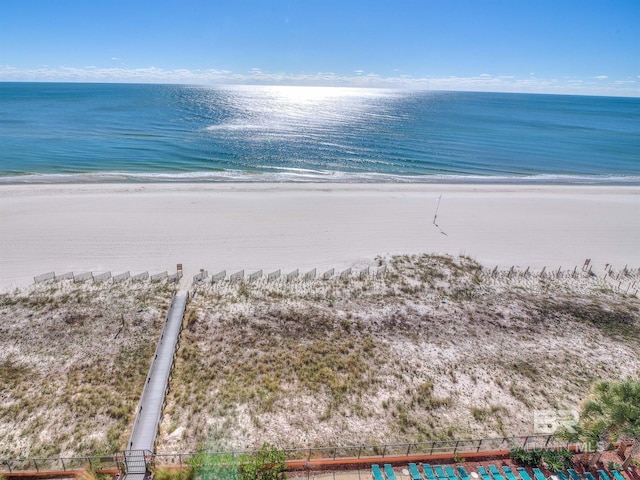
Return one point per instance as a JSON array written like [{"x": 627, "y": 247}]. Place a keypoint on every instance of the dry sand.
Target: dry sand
[{"x": 140, "y": 227}]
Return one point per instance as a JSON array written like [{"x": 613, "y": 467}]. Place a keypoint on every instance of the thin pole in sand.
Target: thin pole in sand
[
  {"x": 436, "y": 216},
  {"x": 437, "y": 208}
]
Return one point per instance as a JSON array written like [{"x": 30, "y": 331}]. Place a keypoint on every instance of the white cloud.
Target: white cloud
[
  {"x": 483, "y": 82},
  {"x": 116, "y": 58},
  {"x": 601, "y": 77}
]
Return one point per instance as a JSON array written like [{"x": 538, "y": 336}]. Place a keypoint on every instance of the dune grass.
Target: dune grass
[
  {"x": 439, "y": 348},
  {"x": 73, "y": 359}
]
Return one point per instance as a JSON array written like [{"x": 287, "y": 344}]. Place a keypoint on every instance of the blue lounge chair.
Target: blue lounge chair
[
  {"x": 574, "y": 475},
  {"x": 589, "y": 476},
  {"x": 463, "y": 473},
  {"x": 388, "y": 471},
  {"x": 414, "y": 472},
  {"x": 451, "y": 474},
  {"x": 484, "y": 474},
  {"x": 603, "y": 475},
  {"x": 428, "y": 472},
  {"x": 523, "y": 473},
  {"x": 376, "y": 472},
  {"x": 510, "y": 474},
  {"x": 617, "y": 475},
  {"x": 495, "y": 472},
  {"x": 440, "y": 473},
  {"x": 538, "y": 474}
]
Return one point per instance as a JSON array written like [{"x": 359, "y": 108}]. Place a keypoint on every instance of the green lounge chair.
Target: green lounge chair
[
  {"x": 414, "y": 472},
  {"x": 574, "y": 475},
  {"x": 428, "y": 472},
  {"x": 589, "y": 476},
  {"x": 603, "y": 475},
  {"x": 617, "y": 475},
  {"x": 440, "y": 473},
  {"x": 524, "y": 474},
  {"x": 484, "y": 474},
  {"x": 376, "y": 472},
  {"x": 388, "y": 471},
  {"x": 463, "y": 473},
  {"x": 451, "y": 474},
  {"x": 510, "y": 474},
  {"x": 495, "y": 472},
  {"x": 538, "y": 474}
]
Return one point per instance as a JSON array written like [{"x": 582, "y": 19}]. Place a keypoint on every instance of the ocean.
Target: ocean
[{"x": 56, "y": 133}]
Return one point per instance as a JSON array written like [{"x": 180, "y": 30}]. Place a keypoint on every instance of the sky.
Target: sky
[{"x": 554, "y": 46}]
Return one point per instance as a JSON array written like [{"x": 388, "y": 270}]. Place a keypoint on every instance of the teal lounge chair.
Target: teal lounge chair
[
  {"x": 524, "y": 474},
  {"x": 574, "y": 475},
  {"x": 510, "y": 474},
  {"x": 484, "y": 474},
  {"x": 428, "y": 472},
  {"x": 463, "y": 473},
  {"x": 589, "y": 476},
  {"x": 603, "y": 475},
  {"x": 495, "y": 472},
  {"x": 388, "y": 471},
  {"x": 562, "y": 476},
  {"x": 538, "y": 474},
  {"x": 440, "y": 473},
  {"x": 617, "y": 475},
  {"x": 414, "y": 472},
  {"x": 451, "y": 474},
  {"x": 376, "y": 472}
]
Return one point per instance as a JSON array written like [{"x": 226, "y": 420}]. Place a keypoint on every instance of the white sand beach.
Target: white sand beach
[{"x": 140, "y": 227}]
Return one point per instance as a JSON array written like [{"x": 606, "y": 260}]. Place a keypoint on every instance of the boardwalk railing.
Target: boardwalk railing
[{"x": 443, "y": 447}]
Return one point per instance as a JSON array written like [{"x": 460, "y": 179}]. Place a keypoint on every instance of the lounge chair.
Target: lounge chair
[
  {"x": 463, "y": 473},
  {"x": 495, "y": 472},
  {"x": 440, "y": 473},
  {"x": 388, "y": 471},
  {"x": 523, "y": 473},
  {"x": 376, "y": 472},
  {"x": 451, "y": 474},
  {"x": 574, "y": 475},
  {"x": 428, "y": 472},
  {"x": 484, "y": 474},
  {"x": 538, "y": 474},
  {"x": 510, "y": 474},
  {"x": 617, "y": 475},
  {"x": 603, "y": 475},
  {"x": 562, "y": 476},
  {"x": 414, "y": 472},
  {"x": 589, "y": 476}
]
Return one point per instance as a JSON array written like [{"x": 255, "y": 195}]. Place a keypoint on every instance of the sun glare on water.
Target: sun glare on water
[{"x": 298, "y": 108}]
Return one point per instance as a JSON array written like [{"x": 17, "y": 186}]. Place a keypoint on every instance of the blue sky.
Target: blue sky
[{"x": 505, "y": 45}]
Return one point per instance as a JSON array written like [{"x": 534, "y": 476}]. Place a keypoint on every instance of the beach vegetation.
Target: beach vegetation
[
  {"x": 436, "y": 345},
  {"x": 75, "y": 356}
]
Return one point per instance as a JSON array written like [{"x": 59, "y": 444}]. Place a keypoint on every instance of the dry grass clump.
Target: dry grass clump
[
  {"x": 73, "y": 359},
  {"x": 437, "y": 349}
]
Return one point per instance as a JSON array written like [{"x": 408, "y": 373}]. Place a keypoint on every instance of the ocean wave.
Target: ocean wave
[{"x": 301, "y": 175}]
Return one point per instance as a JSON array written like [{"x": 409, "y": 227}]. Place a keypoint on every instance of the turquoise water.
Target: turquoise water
[{"x": 115, "y": 132}]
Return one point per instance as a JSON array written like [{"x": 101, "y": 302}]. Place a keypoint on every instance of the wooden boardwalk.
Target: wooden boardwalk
[{"x": 147, "y": 422}]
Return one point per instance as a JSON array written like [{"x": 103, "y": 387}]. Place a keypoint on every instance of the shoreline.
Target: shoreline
[
  {"x": 216, "y": 226},
  {"x": 306, "y": 177}
]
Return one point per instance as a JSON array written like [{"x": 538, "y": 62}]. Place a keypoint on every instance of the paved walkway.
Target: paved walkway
[{"x": 145, "y": 429}]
